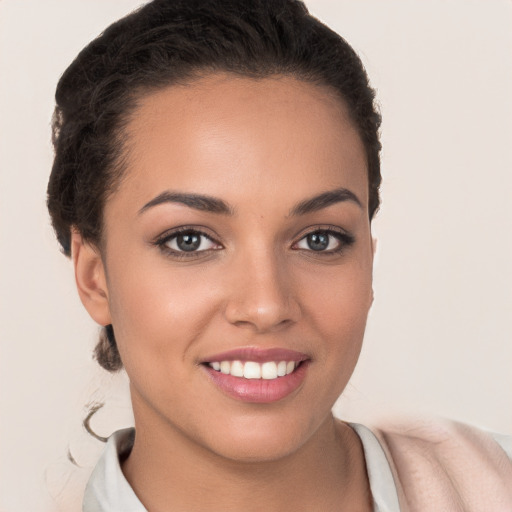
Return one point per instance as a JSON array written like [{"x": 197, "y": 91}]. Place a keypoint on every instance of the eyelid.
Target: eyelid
[{"x": 322, "y": 227}]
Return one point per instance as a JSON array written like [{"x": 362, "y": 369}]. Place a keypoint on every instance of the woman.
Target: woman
[{"x": 215, "y": 178}]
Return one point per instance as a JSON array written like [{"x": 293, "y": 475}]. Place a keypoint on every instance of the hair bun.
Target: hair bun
[{"x": 106, "y": 351}]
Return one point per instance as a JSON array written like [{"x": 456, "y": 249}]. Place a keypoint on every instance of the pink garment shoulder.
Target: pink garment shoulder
[{"x": 445, "y": 466}]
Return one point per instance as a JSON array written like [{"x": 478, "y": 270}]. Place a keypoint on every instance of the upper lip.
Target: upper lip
[{"x": 258, "y": 355}]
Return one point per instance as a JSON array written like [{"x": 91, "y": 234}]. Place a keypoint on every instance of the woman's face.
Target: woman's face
[{"x": 273, "y": 266}]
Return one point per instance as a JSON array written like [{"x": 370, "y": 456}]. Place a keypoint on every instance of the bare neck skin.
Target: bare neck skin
[{"x": 168, "y": 471}]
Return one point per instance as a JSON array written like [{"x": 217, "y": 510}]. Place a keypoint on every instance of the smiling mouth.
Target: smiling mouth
[
  {"x": 257, "y": 375},
  {"x": 269, "y": 370}
]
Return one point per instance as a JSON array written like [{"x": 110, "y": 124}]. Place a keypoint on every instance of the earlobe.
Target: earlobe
[{"x": 90, "y": 279}]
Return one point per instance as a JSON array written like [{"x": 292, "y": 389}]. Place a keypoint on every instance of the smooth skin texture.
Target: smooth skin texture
[{"x": 262, "y": 147}]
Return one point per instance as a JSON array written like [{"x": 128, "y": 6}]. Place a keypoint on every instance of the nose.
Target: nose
[{"x": 261, "y": 294}]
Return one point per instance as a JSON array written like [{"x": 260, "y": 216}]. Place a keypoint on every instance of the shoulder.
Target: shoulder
[{"x": 445, "y": 465}]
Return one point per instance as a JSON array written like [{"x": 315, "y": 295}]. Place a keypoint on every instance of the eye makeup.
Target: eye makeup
[{"x": 187, "y": 242}]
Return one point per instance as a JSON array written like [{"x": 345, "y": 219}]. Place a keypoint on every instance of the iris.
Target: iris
[
  {"x": 318, "y": 241},
  {"x": 188, "y": 241}
]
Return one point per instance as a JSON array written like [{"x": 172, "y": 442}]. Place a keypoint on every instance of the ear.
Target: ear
[{"x": 90, "y": 279}]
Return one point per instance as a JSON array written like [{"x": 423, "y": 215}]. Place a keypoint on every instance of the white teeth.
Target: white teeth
[
  {"x": 225, "y": 367},
  {"x": 281, "y": 369},
  {"x": 252, "y": 370},
  {"x": 237, "y": 369},
  {"x": 269, "y": 371}
]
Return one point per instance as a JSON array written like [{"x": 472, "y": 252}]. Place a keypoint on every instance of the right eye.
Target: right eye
[{"x": 186, "y": 242}]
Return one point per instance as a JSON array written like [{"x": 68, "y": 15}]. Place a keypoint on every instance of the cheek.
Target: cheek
[
  {"x": 158, "y": 311},
  {"x": 339, "y": 298},
  {"x": 336, "y": 308}
]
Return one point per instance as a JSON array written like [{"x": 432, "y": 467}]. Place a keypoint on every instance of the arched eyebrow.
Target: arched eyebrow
[
  {"x": 324, "y": 200},
  {"x": 212, "y": 204},
  {"x": 197, "y": 201}
]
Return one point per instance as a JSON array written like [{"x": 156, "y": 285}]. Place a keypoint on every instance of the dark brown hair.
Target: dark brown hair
[{"x": 175, "y": 41}]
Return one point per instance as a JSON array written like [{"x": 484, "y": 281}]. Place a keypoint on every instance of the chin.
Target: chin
[{"x": 261, "y": 437}]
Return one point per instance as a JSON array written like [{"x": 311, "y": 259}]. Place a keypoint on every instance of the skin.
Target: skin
[{"x": 262, "y": 146}]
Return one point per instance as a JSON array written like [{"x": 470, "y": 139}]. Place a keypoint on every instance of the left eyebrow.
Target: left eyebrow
[{"x": 324, "y": 200}]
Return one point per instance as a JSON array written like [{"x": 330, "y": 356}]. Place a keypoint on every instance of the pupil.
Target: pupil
[
  {"x": 318, "y": 241},
  {"x": 188, "y": 242}
]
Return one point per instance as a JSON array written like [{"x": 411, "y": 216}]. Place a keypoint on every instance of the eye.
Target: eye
[
  {"x": 186, "y": 242},
  {"x": 325, "y": 240}
]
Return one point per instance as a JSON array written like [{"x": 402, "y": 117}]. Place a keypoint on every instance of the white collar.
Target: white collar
[{"x": 107, "y": 489}]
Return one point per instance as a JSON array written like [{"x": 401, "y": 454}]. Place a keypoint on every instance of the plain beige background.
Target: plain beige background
[{"x": 439, "y": 338}]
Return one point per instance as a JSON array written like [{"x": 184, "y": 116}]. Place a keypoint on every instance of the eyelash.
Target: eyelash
[{"x": 344, "y": 239}]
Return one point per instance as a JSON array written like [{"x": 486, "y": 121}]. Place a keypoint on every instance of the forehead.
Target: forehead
[{"x": 224, "y": 134}]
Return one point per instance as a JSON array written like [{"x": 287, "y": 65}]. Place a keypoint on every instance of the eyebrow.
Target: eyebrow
[
  {"x": 324, "y": 200},
  {"x": 197, "y": 201},
  {"x": 211, "y": 204}
]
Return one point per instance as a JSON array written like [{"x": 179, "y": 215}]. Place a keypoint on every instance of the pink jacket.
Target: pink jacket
[{"x": 444, "y": 466}]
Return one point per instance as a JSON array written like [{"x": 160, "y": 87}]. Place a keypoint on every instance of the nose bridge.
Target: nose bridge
[{"x": 260, "y": 292}]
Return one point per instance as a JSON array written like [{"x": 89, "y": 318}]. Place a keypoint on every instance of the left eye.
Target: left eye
[
  {"x": 325, "y": 241},
  {"x": 189, "y": 241}
]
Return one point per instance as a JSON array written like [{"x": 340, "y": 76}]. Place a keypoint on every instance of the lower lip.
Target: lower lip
[{"x": 259, "y": 390}]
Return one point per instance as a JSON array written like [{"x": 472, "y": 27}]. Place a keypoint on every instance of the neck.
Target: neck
[{"x": 168, "y": 470}]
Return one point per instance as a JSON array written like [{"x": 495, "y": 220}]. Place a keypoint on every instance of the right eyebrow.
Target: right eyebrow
[{"x": 200, "y": 202}]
